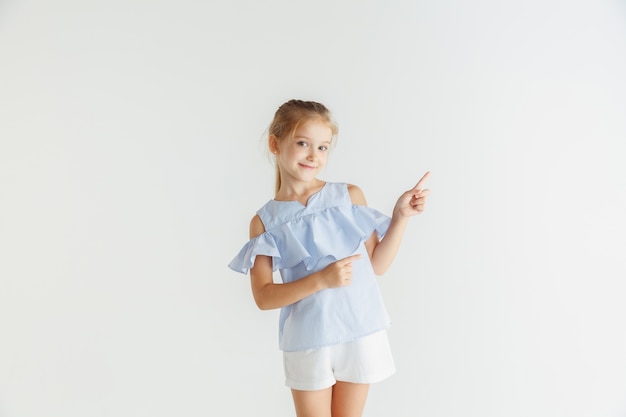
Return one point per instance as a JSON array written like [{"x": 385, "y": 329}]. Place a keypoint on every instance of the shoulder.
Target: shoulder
[
  {"x": 356, "y": 195},
  {"x": 256, "y": 226}
]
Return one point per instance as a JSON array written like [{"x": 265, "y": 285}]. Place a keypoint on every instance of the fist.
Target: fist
[{"x": 339, "y": 273}]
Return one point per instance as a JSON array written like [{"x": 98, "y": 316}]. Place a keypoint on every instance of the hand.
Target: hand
[
  {"x": 412, "y": 202},
  {"x": 339, "y": 273}
]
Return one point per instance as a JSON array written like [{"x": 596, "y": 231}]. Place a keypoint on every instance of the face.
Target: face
[{"x": 302, "y": 157}]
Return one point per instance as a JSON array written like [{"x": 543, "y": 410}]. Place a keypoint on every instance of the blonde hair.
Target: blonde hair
[{"x": 291, "y": 115}]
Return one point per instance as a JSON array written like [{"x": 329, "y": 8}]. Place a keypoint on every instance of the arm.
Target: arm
[
  {"x": 382, "y": 253},
  {"x": 269, "y": 295}
]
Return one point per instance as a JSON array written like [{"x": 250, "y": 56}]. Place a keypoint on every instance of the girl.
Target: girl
[{"x": 329, "y": 247}]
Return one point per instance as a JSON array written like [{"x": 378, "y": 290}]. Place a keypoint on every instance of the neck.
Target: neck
[{"x": 300, "y": 191}]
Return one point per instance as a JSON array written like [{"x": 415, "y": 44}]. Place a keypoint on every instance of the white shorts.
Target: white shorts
[{"x": 363, "y": 361}]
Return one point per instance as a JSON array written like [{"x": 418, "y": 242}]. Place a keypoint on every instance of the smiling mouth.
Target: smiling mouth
[{"x": 307, "y": 166}]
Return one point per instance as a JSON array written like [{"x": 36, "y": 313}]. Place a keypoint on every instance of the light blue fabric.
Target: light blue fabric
[{"x": 305, "y": 239}]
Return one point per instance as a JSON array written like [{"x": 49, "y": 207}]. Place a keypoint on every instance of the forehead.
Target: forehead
[{"x": 315, "y": 129}]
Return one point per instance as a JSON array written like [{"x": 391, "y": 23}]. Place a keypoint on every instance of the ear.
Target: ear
[{"x": 272, "y": 143}]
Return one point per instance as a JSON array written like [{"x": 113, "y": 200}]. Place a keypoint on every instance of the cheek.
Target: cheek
[{"x": 296, "y": 152}]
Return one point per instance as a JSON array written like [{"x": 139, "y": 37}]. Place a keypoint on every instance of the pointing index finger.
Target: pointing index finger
[
  {"x": 352, "y": 258},
  {"x": 421, "y": 181}
]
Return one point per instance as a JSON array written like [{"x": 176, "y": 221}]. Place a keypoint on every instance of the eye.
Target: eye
[
  {"x": 302, "y": 143},
  {"x": 323, "y": 148}
]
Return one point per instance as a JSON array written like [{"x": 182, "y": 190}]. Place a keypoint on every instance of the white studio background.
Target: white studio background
[{"x": 131, "y": 160}]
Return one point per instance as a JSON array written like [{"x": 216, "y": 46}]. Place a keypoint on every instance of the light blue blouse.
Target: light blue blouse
[{"x": 305, "y": 239}]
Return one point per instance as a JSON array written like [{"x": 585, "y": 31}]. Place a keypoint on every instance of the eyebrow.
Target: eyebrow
[{"x": 308, "y": 138}]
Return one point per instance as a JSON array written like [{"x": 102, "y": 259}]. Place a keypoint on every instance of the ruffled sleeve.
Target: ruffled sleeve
[
  {"x": 370, "y": 220},
  {"x": 263, "y": 244}
]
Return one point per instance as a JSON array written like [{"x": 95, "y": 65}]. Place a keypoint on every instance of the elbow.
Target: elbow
[
  {"x": 379, "y": 261},
  {"x": 379, "y": 268},
  {"x": 260, "y": 304},
  {"x": 263, "y": 304},
  {"x": 261, "y": 295},
  {"x": 379, "y": 271}
]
